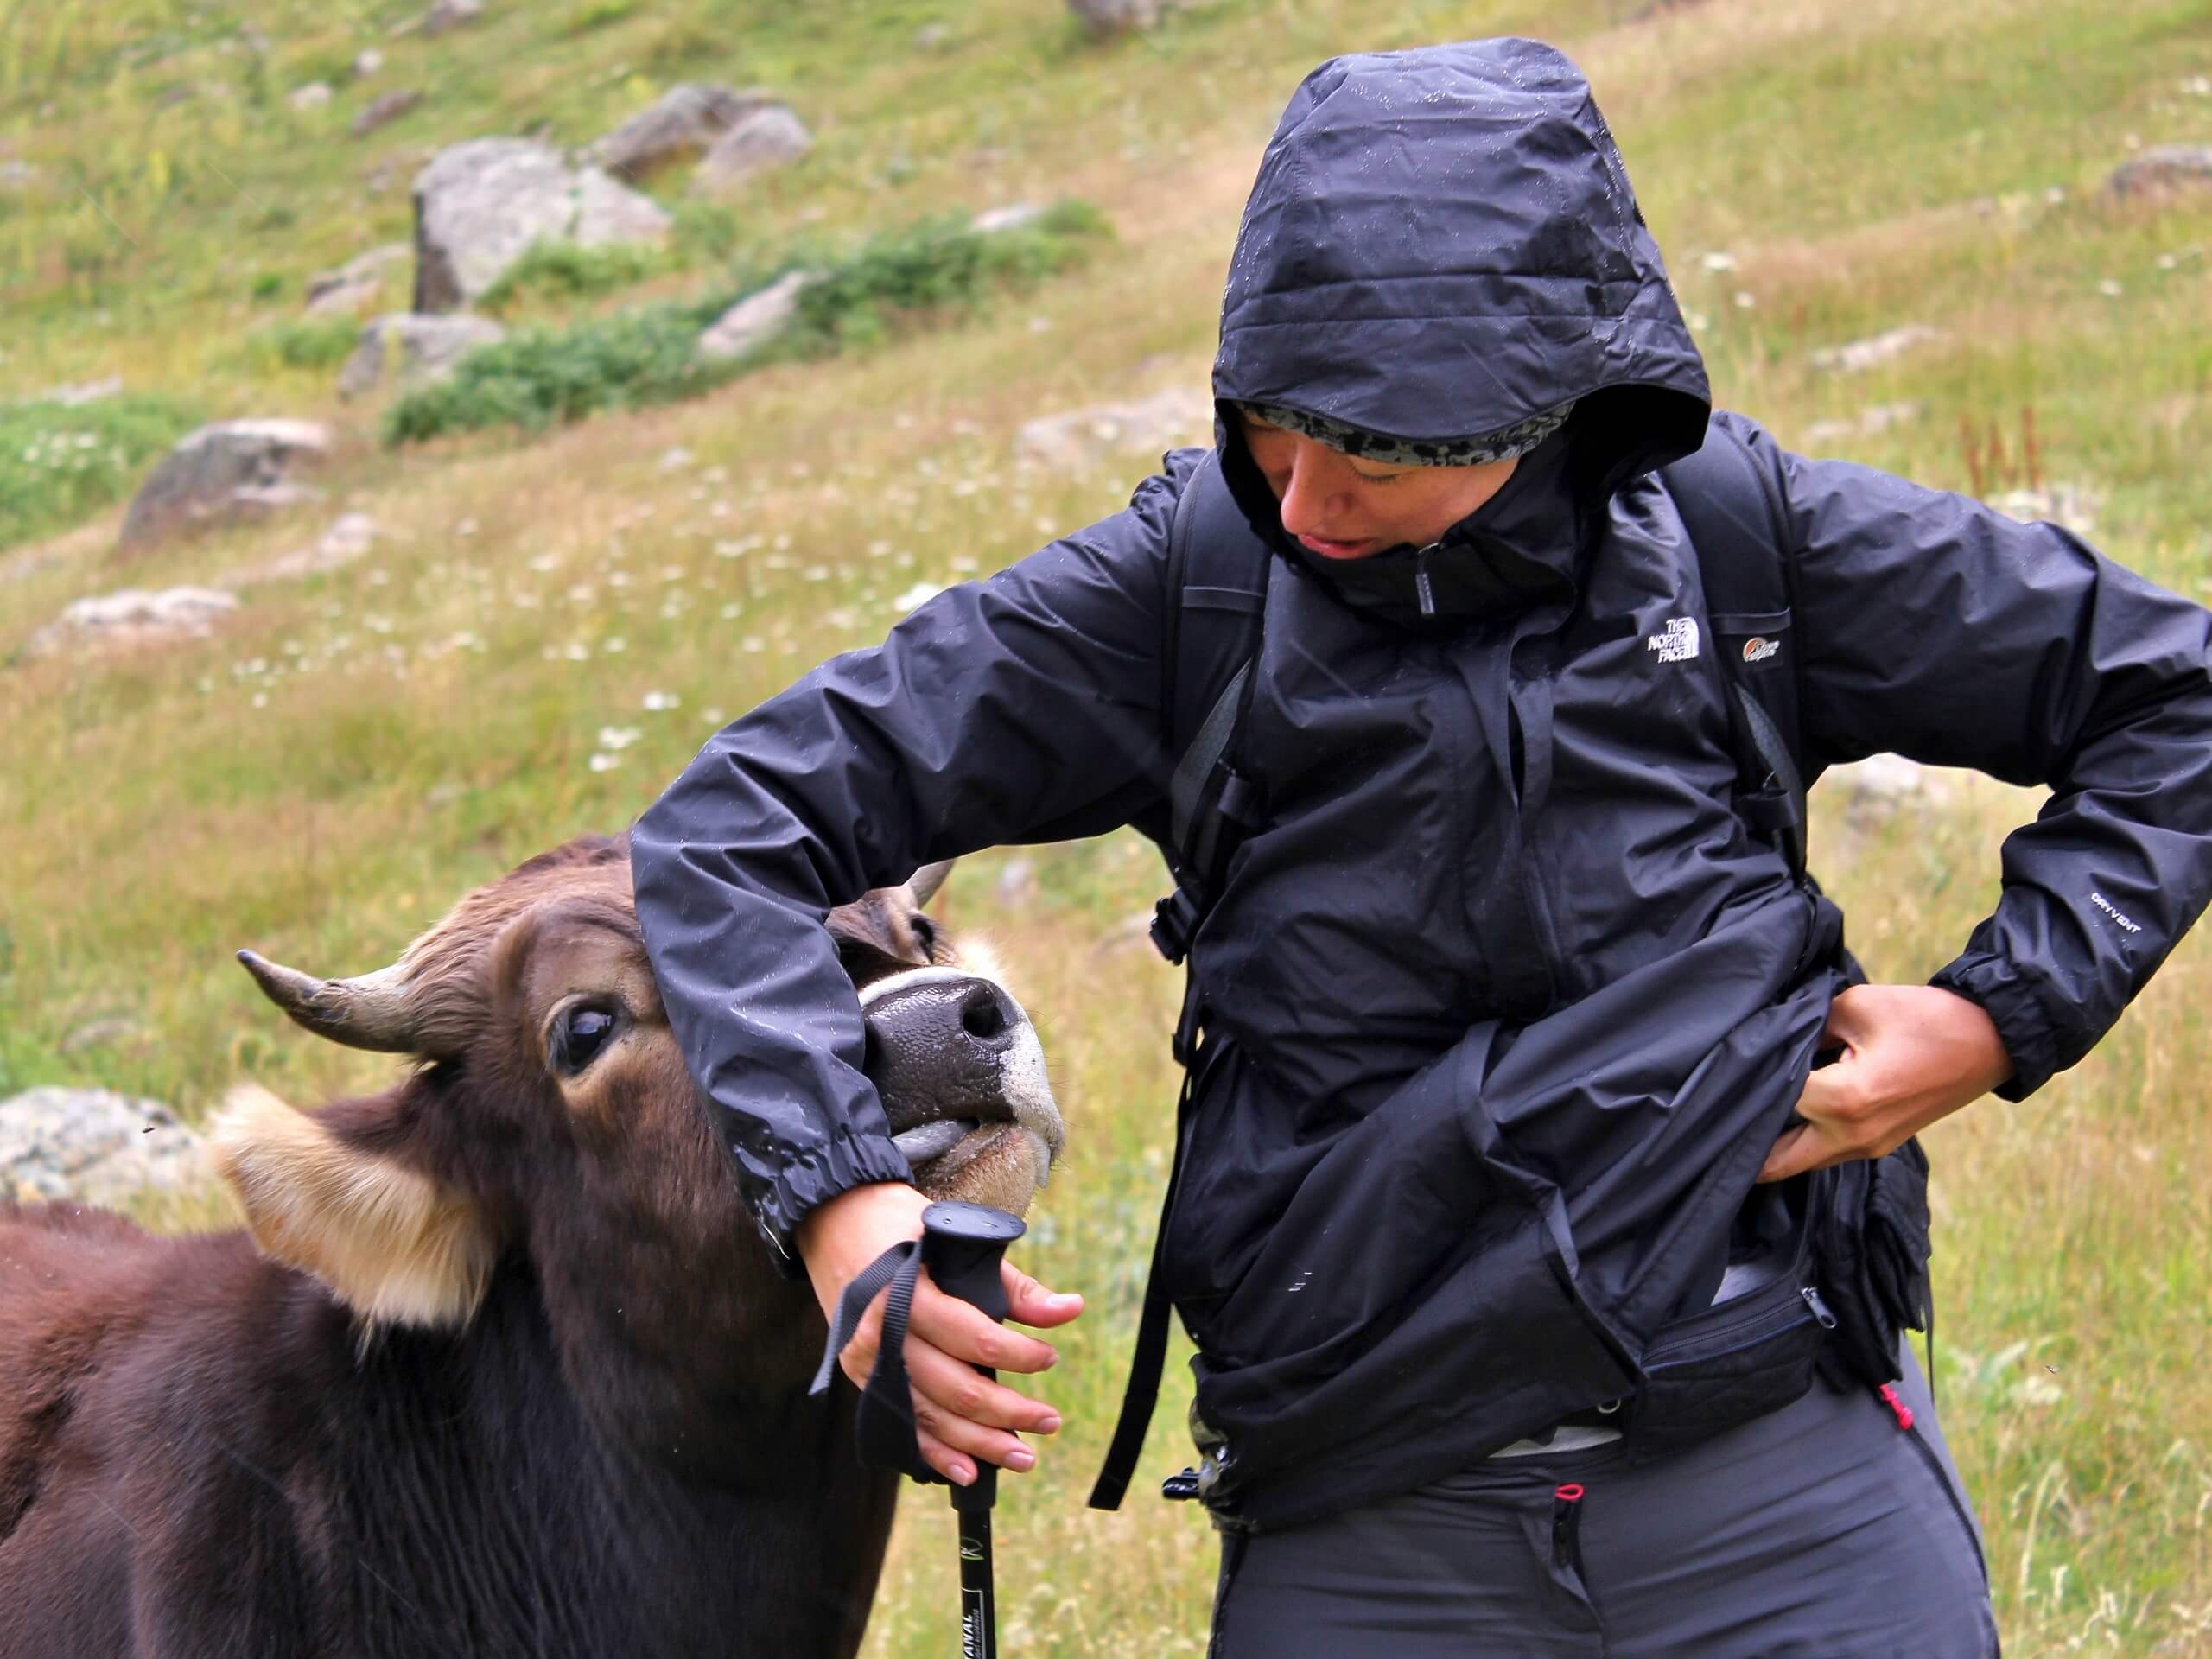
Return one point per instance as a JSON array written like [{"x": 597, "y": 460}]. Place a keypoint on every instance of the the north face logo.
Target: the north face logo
[
  {"x": 1758, "y": 649},
  {"x": 1676, "y": 642}
]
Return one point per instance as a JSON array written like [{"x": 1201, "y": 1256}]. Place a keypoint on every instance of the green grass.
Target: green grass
[
  {"x": 59, "y": 465},
  {"x": 321, "y": 779}
]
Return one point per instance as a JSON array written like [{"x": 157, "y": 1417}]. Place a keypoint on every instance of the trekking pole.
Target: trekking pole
[{"x": 962, "y": 1246}]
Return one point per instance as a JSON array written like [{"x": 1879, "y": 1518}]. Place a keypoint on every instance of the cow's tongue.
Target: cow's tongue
[{"x": 925, "y": 1142}]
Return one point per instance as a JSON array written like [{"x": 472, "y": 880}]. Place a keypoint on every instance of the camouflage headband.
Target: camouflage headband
[{"x": 1502, "y": 445}]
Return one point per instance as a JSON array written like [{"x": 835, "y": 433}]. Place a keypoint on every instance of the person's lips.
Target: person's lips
[{"x": 1329, "y": 549}]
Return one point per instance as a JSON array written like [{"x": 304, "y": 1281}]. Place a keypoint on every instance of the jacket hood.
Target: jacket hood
[{"x": 1443, "y": 242}]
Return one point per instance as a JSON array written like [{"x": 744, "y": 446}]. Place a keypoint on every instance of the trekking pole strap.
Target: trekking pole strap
[{"x": 884, "y": 1425}]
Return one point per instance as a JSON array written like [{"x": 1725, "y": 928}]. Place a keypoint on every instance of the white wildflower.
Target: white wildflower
[
  {"x": 603, "y": 762},
  {"x": 619, "y": 737},
  {"x": 656, "y": 701},
  {"x": 713, "y": 716},
  {"x": 613, "y": 642}
]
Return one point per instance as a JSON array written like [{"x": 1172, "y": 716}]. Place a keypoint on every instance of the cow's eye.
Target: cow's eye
[
  {"x": 579, "y": 1034},
  {"x": 925, "y": 935}
]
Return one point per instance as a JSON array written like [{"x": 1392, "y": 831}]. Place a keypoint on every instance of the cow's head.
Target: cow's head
[{"x": 549, "y": 1116}]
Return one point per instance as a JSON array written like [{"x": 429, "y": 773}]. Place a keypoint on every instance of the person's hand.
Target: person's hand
[
  {"x": 1911, "y": 1054},
  {"x": 960, "y": 1415}
]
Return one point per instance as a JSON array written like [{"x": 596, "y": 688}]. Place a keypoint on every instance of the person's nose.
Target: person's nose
[{"x": 1312, "y": 500}]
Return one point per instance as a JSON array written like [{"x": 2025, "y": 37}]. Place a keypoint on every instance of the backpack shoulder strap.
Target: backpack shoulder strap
[
  {"x": 1216, "y": 586},
  {"x": 1730, "y": 501}
]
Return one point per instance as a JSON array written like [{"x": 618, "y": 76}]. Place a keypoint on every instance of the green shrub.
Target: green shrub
[
  {"x": 60, "y": 465},
  {"x": 566, "y": 269},
  {"x": 597, "y": 14},
  {"x": 537, "y": 378},
  {"x": 307, "y": 343}
]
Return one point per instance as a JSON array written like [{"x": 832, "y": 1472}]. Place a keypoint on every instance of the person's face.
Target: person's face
[{"x": 1342, "y": 507}]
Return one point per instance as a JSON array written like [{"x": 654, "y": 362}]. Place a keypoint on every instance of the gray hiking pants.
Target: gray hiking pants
[{"x": 1820, "y": 1531}]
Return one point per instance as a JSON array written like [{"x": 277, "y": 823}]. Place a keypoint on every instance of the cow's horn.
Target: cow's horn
[
  {"x": 370, "y": 1012},
  {"x": 925, "y": 881}
]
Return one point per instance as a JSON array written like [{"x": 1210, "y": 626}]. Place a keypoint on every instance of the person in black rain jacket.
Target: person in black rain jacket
[{"x": 1508, "y": 1013}]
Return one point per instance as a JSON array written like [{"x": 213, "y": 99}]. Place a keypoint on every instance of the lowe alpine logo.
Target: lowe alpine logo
[
  {"x": 1676, "y": 642},
  {"x": 1758, "y": 648}
]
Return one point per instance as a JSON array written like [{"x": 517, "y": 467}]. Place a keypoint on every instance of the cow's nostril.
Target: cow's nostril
[{"x": 982, "y": 1015}]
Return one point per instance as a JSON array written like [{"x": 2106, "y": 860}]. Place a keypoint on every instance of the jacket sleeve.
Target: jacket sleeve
[
  {"x": 1021, "y": 708},
  {"x": 1935, "y": 626}
]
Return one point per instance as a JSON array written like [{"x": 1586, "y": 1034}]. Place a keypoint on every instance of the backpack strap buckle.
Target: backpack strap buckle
[{"x": 1173, "y": 919}]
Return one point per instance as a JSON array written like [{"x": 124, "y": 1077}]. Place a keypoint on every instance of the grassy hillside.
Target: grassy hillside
[{"x": 351, "y": 751}]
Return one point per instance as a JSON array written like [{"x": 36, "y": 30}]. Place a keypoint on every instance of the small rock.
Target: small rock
[
  {"x": 929, "y": 37},
  {"x": 427, "y": 348},
  {"x": 313, "y": 95},
  {"x": 80, "y": 393},
  {"x": 346, "y": 540},
  {"x": 18, "y": 176},
  {"x": 2162, "y": 171},
  {"x": 356, "y": 283},
  {"x": 224, "y": 471},
  {"x": 2070, "y": 507},
  {"x": 769, "y": 135},
  {"x": 756, "y": 319},
  {"x": 1084, "y": 437},
  {"x": 367, "y": 62},
  {"x": 1881, "y": 348},
  {"x": 450, "y": 13},
  {"x": 92, "y": 1146},
  {"x": 134, "y": 617},
  {"x": 684, "y": 121},
  {"x": 1017, "y": 884},
  {"x": 1011, "y": 217},
  {"x": 1107, "y": 17},
  {"x": 1876, "y": 789},
  {"x": 386, "y": 109}
]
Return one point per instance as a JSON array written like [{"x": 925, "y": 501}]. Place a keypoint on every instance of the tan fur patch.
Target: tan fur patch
[{"x": 393, "y": 1245}]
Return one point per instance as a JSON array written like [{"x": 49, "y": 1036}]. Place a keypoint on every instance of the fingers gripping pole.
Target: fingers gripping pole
[{"x": 962, "y": 1245}]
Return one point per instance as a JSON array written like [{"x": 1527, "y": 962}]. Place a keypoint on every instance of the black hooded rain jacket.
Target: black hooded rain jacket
[{"x": 1506, "y": 1006}]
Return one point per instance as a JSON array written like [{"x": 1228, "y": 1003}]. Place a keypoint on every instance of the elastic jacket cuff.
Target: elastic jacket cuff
[
  {"x": 2026, "y": 1023},
  {"x": 815, "y": 1176}
]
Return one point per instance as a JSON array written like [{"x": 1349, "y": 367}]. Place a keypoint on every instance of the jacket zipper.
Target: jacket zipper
[{"x": 1804, "y": 1308}]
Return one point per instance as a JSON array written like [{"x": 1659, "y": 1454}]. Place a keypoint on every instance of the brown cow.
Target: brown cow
[{"x": 504, "y": 1367}]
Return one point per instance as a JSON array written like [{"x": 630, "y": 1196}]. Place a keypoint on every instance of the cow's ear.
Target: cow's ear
[{"x": 393, "y": 1243}]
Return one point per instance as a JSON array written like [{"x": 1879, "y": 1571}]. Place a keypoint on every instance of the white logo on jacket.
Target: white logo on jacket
[{"x": 1676, "y": 642}]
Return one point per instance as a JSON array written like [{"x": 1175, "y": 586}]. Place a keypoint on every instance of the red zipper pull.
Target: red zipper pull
[{"x": 1889, "y": 1394}]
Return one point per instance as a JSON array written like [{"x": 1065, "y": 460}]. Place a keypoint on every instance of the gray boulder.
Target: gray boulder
[
  {"x": 423, "y": 349},
  {"x": 229, "y": 471},
  {"x": 756, "y": 319},
  {"x": 92, "y": 1146},
  {"x": 358, "y": 283},
  {"x": 480, "y": 206},
  {"x": 684, "y": 121},
  {"x": 133, "y": 617},
  {"x": 2161, "y": 170},
  {"x": 768, "y": 136}
]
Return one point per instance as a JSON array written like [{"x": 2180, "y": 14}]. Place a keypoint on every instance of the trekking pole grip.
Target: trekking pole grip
[{"x": 962, "y": 1246}]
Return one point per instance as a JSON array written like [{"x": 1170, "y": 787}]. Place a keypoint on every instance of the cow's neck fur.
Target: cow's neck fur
[{"x": 736, "y": 1525}]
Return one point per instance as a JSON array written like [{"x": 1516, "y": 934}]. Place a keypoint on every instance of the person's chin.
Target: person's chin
[{"x": 1329, "y": 549}]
